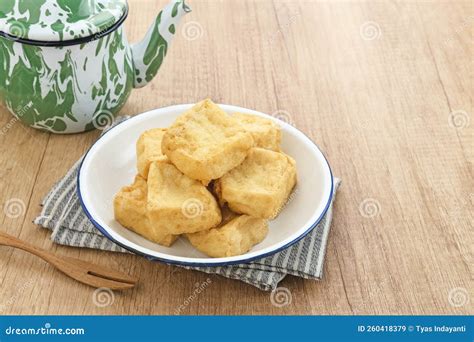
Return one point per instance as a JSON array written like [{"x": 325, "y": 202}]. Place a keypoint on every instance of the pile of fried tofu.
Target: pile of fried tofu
[{"x": 211, "y": 177}]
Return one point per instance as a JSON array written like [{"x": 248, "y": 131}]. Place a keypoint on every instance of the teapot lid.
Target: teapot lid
[{"x": 60, "y": 22}]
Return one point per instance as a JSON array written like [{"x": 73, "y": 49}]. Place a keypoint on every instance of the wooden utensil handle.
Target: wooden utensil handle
[{"x": 9, "y": 240}]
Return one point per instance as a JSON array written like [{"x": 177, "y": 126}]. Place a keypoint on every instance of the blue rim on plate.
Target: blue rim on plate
[{"x": 199, "y": 264}]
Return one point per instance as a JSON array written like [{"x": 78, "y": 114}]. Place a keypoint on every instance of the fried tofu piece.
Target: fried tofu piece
[
  {"x": 259, "y": 186},
  {"x": 130, "y": 212},
  {"x": 177, "y": 203},
  {"x": 204, "y": 143},
  {"x": 149, "y": 149},
  {"x": 236, "y": 237},
  {"x": 265, "y": 132}
]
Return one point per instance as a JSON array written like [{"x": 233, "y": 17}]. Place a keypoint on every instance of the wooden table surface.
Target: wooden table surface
[{"x": 384, "y": 88}]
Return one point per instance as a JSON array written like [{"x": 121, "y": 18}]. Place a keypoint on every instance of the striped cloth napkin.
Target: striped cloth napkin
[{"x": 63, "y": 215}]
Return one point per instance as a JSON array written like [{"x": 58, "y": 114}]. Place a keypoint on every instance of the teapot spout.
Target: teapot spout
[{"x": 148, "y": 54}]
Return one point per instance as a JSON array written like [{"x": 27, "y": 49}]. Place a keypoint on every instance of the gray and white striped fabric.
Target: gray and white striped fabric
[{"x": 63, "y": 215}]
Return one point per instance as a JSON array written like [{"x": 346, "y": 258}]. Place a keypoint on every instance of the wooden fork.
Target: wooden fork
[{"x": 82, "y": 271}]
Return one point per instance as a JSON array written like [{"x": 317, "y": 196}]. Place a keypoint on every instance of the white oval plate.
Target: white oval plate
[{"x": 111, "y": 164}]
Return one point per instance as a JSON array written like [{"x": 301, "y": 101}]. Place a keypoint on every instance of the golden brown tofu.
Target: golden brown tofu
[
  {"x": 130, "y": 212},
  {"x": 149, "y": 149},
  {"x": 236, "y": 237},
  {"x": 259, "y": 186},
  {"x": 205, "y": 142},
  {"x": 177, "y": 203},
  {"x": 265, "y": 132}
]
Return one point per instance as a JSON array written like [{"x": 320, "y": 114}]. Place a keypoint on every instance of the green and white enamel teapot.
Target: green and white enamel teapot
[{"x": 66, "y": 65}]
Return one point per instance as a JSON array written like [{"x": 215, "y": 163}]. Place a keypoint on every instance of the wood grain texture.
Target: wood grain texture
[
  {"x": 82, "y": 271},
  {"x": 384, "y": 88}
]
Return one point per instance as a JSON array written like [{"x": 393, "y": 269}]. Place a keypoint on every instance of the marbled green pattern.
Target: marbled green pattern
[
  {"x": 69, "y": 89},
  {"x": 58, "y": 20}
]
